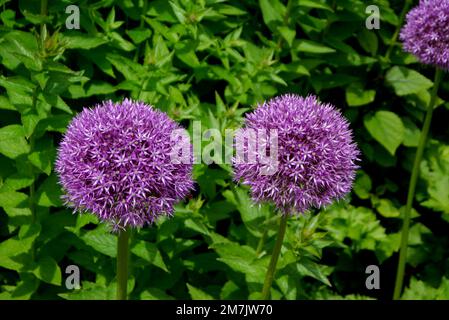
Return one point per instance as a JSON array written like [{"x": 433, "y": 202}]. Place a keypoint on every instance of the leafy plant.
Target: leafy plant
[{"x": 213, "y": 61}]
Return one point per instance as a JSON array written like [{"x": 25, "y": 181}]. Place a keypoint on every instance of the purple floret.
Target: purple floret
[
  {"x": 316, "y": 154},
  {"x": 426, "y": 32},
  {"x": 114, "y": 161}
]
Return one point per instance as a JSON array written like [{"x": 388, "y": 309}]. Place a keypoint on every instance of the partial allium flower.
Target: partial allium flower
[
  {"x": 114, "y": 161},
  {"x": 426, "y": 32},
  {"x": 316, "y": 154}
]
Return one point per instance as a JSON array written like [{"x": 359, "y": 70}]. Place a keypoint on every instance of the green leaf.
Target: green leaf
[
  {"x": 270, "y": 12},
  {"x": 119, "y": 42},
  {"x": 435, "y": 171},
  {"x": 155, "y": 294},
  {"x": 185, "y": 51},
  {"x": 26, "y": 287},
  {"x": 362, "y": 185},
  {"x": 29, "y": 122},
  {"x": 358, "y": 224},
  {"x": 306, "y": 267},
  {"x": 14, "y": 251},
  {"x": 198, "y": 294},
  {"x": 314, "y": 4},
  {"x": 130, "y": 69},
  {"x": 139, "y": 35},
  {"x": 179, "y": 12},
  {"x": 368, "y": 41},
  {"x": 17, "y": 181},
  {"x": 387, "y": 128},
  {"x": 357, "y": 96},
  {"x": 84, "y": 219},
  {"x": 43, "y": 160},
  {"x": 407, "y": 81},
  {"x": 90, "y": 291},
  {"x": 48, "y": 271},
  {"x": 49, "y": 193},
  {"x": 252, "y": 215},
  {"x": 295, "y": 68},
  {"x": 328, "y": 81},
  {"x": 387, "y": 209},
  {"x": 83, "y": 42},
  {"x": 57, "y": 123},
  {"x": 12, "y": 199},
  {"x": 20, "y": 46},
  {"x": 197, "y": 225},
  {"x": 419, "y": 290},
  {"x": 411, "y": 133},
  {"x": 12, "y": 141},
  {"x": 288, "y": 34},
  {"x": 101, "y": 241},
  {"x": 150, "y": 253},
  {"x": 311, "y": 47},
  {"x": 5, "y": 104},
  {"x": 240, "y": 258}
]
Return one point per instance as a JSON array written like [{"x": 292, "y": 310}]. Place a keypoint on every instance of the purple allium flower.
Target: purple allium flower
[
  {"x": 316, "y": 154},
  {"x": 114, "y": 161},
  {"x": 426, "y": 32}
]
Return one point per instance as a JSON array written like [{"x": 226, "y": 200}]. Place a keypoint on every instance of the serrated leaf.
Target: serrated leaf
[{"x": 435, "y": 171}]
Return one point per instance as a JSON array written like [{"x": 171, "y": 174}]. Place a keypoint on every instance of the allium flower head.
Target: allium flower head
[
  {"x": 426, "y": 32},
  {"x": 114, "y": 161},
  {"x": 316, "y": 154}
]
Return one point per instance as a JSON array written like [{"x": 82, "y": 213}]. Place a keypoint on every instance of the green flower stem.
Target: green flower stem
[
  {"x": 412, "y": 186},
  {"x": 274, "y": 258},
  {"x": 122, "y": 264},
  {"x": 398, "y": 29}
]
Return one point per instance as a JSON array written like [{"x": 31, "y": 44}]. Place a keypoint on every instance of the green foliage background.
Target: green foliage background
[{"x": 213, "y": 60}]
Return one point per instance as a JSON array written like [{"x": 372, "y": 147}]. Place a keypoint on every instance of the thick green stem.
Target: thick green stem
[
  {"x": 398, "y": 28},
  {"x": 274, "y": 258},
  {"x": 122, "y": 264},
  {"x": 412, "y": 186}
]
